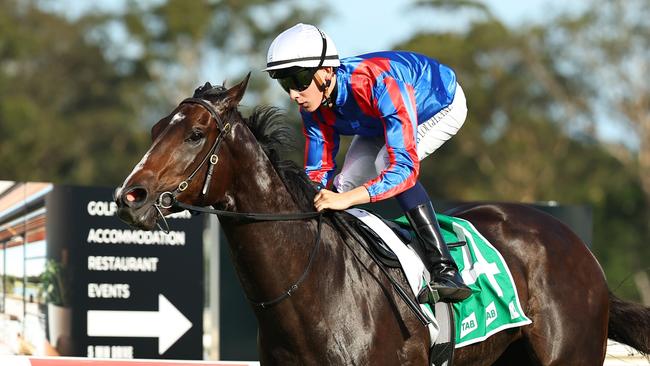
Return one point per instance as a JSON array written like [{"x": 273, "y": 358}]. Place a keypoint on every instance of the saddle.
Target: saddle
[
  {"x": 494, "y": 306},
  {"x": 442, "y": 350},
  {"x": 381, "y": 249},
  {"x": 379, "y": 246}
]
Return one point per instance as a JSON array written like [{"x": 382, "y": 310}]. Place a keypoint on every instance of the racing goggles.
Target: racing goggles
[{"x": 299, "y": 80}]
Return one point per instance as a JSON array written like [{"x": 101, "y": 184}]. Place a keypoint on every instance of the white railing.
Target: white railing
[
  {"x": 77, "y": 361},
  {"x": 622, "y": 355},
  {"x": 617, "y": 355}
]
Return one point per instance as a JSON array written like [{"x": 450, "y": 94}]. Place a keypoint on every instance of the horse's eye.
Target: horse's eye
[{"x": 196, "y": 136}]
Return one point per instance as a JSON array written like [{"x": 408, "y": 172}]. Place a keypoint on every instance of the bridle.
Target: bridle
[{"x": 168, "y": 200}]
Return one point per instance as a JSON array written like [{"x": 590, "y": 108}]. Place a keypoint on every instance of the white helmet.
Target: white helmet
[{"x": 302, "y": 45}]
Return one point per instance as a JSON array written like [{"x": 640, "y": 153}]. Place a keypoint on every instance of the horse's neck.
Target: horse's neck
[
  {"x": 263, "y": 252},
  {"x": 259, "y": 188}
]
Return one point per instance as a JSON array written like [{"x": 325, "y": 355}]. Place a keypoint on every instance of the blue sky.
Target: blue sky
[{"x": 362, "y": 26}]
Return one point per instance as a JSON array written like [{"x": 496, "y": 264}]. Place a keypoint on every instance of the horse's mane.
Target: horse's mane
[
  {"x": 272, "y": 131},
  {"x": 209, "y": 91}
]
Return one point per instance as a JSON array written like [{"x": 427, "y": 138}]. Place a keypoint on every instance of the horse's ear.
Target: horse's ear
[{"x": 236, "y": 93}]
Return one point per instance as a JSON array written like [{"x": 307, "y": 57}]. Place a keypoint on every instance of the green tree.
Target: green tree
[
  {"x": 610, "y": 54},
  {"x": 77, "y": 94},
  {"x": 66, "y": 114},
  {"x": 180, "y": 40},
  {"x": 511, "y": 146}
]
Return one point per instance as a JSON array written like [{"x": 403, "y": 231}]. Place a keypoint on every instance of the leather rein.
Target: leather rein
[{"x": 168, "y": 200}]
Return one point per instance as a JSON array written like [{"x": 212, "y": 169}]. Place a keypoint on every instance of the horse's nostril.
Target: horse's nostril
[
  {"x": 134, "y": 197},
  {"x": 131, "y": 197}
]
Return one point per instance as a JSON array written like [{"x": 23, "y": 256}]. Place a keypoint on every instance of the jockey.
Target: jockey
[{"x": 400, "y": 107}]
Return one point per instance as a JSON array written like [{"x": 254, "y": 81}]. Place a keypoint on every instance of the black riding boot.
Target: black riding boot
[{"x": 444, "y": 273}]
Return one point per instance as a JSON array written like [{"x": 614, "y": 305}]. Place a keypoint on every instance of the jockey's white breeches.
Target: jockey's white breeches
[{"x": 367, "y": 156}]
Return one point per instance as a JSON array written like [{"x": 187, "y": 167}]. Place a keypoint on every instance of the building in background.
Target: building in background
[{"x": 22, "y": 267}]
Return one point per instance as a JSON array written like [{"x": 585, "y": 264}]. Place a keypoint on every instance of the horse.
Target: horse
[{"x": 318, "y": 298}]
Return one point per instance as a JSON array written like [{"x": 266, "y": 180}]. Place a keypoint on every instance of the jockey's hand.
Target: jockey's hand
[{"x": 326, "y": 199}]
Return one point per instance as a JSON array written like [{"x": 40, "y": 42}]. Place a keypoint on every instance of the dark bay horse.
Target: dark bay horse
[{"x": 345, "y": 311}]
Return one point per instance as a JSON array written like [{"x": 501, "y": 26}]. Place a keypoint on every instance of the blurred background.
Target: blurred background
[{"x": 558, "y": 93}]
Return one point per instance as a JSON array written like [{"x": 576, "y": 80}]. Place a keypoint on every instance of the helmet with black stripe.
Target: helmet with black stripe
[{"x": 301, "y": 46}]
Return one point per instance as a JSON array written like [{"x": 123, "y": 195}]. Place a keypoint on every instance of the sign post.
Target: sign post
[{"x": 130, "y": 293}]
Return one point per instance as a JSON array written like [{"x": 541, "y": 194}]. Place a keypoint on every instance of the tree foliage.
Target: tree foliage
[
  {"x": 180, "y": 41},
  {"x": 78, "y": 94},
  {"x": 66, "y": 114},
  {"x": 610, "y": 54}
]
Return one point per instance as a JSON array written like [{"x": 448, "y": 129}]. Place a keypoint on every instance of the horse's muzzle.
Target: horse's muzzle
[{"x": 134, "y": 207}]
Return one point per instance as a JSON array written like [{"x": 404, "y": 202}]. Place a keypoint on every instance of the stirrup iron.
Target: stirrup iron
[{"x": 428, "y": 295}]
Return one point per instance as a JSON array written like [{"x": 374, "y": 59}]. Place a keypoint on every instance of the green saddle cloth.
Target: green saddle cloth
[{"x": 494, "y": 304}]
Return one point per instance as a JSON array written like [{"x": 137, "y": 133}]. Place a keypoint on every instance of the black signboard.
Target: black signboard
[{"x": 132, "y": 293}]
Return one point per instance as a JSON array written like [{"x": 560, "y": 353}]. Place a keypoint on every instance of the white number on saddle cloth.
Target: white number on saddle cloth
[
  {"x": 411, "y": 264},
  {"x": 471, "y": 271}
]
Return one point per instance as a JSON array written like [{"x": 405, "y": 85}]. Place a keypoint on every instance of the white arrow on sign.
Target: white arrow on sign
[{"x": 167, "y": 324}]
